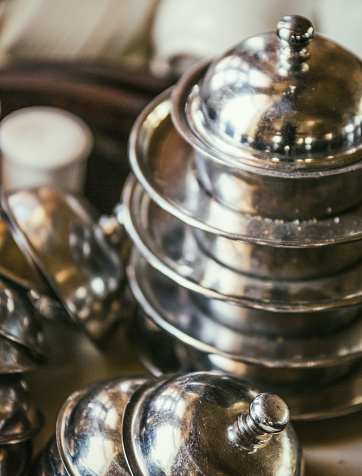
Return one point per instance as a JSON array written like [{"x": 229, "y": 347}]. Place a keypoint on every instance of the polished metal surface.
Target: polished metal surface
[
  {"x": 19, "y": 419},
  {"x": 174, "y": 309},
  {"x": 14, "y": 358},
  {"x": 256, "y": 99},
  {"x": 58, "y": 232},
  {"x": 253, "y": 259},
  {"x": 88, "y": 434},
  {"x": 142, "y": 425},
  {"x": 163, "y": 354},
  {"x": 245, "y": 216},
  {"x": 270, "y": 114},
  {"x": 18, "y": 321},
  {"x": 15, "y": 459},
  {"x": 200, "y": 423},
  {"x": 157, "y": 151},
  {"x": 171, "y": 247},
  {"x": 280, "y": 262},
  {"x": 14, "y": 265}
]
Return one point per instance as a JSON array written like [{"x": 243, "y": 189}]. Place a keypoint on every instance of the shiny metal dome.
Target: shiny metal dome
[
  {"x": 292, "y": 96},
  {"x": 208, "y": 423},
  {"x": 203, "y": 423}
]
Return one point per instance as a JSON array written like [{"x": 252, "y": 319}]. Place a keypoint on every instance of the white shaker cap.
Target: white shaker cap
[{"x": 44, "y": 146}]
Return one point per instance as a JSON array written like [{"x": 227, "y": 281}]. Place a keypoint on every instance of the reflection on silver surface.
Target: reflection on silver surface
[
  {"x": 162, "y": 354},
  {"x": 59, "y": 234},
  {"x": 19, "y": 419},
  {"x": 173, "y": 308},
  {"x": 48, "y": 463},
  {"x": 280, "y": 262},
  {"x": 14, "y": 358},
  {"x": 264, "y": 123},
  {"x": 88, "y": 431},
  {"x": 170, "y": 246},
  {"x": 187, "y": 424},
  {"x": 211, "y": 423},
  {"x": 247, "y": 104},
  {"x": 157, "y": 151},
  {"x": 14, "y": 265},
  {"x": 18, "y": 321}
]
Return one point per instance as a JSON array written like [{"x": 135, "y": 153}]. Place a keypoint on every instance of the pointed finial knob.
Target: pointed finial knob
[
  {"x": 268, "y": 414},
  {"x": 294, "y": 33},
  {"x": 295, "y": 30}
]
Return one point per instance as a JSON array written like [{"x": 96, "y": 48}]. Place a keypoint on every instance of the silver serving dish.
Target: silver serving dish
[
  {"x": 276, "y": 124},
  {"x": 14, "y": 358},
  {"x": 18, "y": 320},
  {"x": 163, "y": 352},
  {"x": 254, "y": 304},
  {"x": 157, "y": 151},
  {"x": 248, "y": 212},
  {"x": 59, "y": 235},
  {"x": 207, "y": 422},
  {"x": 268, "y": 360},
  {"x": 19, "y": 418}
]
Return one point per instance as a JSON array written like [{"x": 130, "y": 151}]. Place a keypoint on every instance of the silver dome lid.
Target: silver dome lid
[
  {"x": 200, "y": 423},
  {"x": 208, "y": 423},
  {"x": 290, "y": 97}
]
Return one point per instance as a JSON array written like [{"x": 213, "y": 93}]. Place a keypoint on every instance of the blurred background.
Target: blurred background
[{"x": 162, "y": 35}]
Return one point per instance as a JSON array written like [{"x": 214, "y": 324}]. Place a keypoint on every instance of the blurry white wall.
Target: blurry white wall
[
  {"x": 73, "y": 29},
  {"x": 166, "y": 35}
]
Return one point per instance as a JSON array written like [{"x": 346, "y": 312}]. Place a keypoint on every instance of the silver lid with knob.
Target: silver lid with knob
[
  {"x": 292, "y": 97},
  {"x": 208, "y": 423},
  {"x": 203, "y": 423},
  {"x": 275, "y": 124}
]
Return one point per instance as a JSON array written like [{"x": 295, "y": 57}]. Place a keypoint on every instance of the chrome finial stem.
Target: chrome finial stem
[
  {"x": 268, "y": 415},
  {"x": 295, "y": 32}
]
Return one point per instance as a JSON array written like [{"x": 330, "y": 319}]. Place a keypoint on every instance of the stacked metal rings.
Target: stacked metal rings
[{"x": 245, "y": 214}]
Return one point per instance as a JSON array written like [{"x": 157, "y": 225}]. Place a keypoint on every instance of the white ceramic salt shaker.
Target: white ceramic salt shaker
[{"x": 44, "y": 146}]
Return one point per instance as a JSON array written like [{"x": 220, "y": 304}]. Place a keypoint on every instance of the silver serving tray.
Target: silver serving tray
[
  {"x": 169, "y": 245},
  {"x": 173, "y": 309}
]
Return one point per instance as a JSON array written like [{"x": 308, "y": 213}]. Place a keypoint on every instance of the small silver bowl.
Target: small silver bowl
[{"x": 19, "y": 418}]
